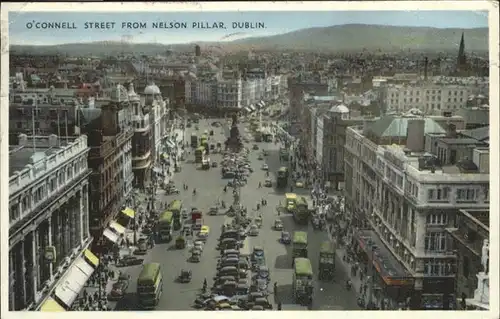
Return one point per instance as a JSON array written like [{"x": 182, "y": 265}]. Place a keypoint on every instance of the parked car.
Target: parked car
[
  {"x": 265, "y": 167},
  {"x": 118, "y": 290},
  {"x": 268, "y": 182},
  {"x": 255, "y": 147},
  {"x": 129, "y": 261},
  {"x": 214, "y": 164},
  {"x": 253, "y": 231}
]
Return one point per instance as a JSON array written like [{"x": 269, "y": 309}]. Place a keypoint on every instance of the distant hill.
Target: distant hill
[{"x": 342, "y": 38}]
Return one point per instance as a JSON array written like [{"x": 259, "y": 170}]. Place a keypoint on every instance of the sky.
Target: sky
[{"x": 276, "y": 22}]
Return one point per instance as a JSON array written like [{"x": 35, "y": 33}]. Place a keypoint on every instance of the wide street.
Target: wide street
[{"x": 209, "y": 185}]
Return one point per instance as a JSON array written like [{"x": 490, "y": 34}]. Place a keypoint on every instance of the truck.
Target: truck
[
  {"x": 198, "y": 154},
  {"x": 205, "y": 163},
  {"x": 301, "y": 211},
  {"x": 165, "y": 226},
  {"x": 194, "y": 140},
  {"x": 327, "y": 260},
  {"x": 302, "y": 280},
  {"x": 196, "y": 219},
  {"x": 282, "y": 177},
  {"x": 290, "y": 202},
  {"x": 299, "y": 244},
  {"x": 284, "y": 154}
]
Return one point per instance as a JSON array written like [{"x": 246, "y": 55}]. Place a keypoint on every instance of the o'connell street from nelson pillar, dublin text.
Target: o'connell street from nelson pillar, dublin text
[{"x": 248, "y": 160}]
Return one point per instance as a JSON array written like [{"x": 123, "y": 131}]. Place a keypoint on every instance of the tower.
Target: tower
[
  {"x": 197, "y": 50},
  {"x": 461, "y": 59}
]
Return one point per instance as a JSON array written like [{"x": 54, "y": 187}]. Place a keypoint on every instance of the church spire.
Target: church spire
[{"x": 461, "y": 62}]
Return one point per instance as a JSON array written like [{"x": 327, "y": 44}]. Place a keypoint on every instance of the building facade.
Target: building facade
[
  {"x": 142, "y": 139},
  {"x": 48, "y": 217},
  {"x": 402, "y": 199},
  {"x": 229, "y": 93}
]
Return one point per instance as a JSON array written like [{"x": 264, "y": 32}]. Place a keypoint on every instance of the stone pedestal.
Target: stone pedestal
[{"x": 482, "y": 293}]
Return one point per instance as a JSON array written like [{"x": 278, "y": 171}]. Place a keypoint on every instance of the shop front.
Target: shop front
[
  {"x": 392, "y": 283},
  {"x": 438, "y": 293},
  {"x": 71, "y": 284}
]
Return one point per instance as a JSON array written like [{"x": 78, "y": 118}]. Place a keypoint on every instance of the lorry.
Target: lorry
[
  {"x": 198, "y": 154},
  {"x": 165, "y": 226},
  {"x": 194, "y": 140},
  {"x": 196, "y": 219},
  {"x": 302, "y": 280},
  {"x": 282, "y": 177},
  {"x": 299, "y": 244},
  {"x": 301, "y": 211},
  {"x": 290, "y": 203},
  {"x": 327, "y": 260}
]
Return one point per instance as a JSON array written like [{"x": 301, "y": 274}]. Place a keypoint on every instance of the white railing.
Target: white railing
[{"x": 21, "y": 179}]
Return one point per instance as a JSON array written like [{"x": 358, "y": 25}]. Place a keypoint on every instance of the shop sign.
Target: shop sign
[{"x": 50, "y": 254}]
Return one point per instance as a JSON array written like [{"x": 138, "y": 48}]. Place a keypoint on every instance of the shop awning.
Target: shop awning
[
  {"x": 129, "y": 212},
  {"x": 73, "y": 281},
  {"x": 392, "y": 272},
  {"x": 170, "y": 144},
  {"x": 112, "y": 236},
  {"x": 50, "y": 305},
  {"x": 252, "y": 107},
  {"x": 119, "y": 229},
  {"x": 91, "y": 258},
  {"x": 248, "y": 109}
]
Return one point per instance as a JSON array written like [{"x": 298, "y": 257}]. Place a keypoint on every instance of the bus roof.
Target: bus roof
[
  {"x": 291, "y": 196},
  {"x": 175, "y": 204},
  {"x": 193, "y": 134},
  {"x": 200, "y": 148},
  {"x": 166, "y": 216},
  {"x": 303, "y": 267},
  {"x": 148, "y": 274},
  {"x": 204, "y": 136},
  {"x": 300, "y": 237},
  {"x": 327, "y": 247},
  {"x": 283, "y": 169}
]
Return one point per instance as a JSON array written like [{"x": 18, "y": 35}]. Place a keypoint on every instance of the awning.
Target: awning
[
  {"x": 112, "y": 236},
  {"x": 91, "y": 258},
  {"x": 129, "y": 212},
  {"x": 170, "y": 144},
  {"x": 252, "y": 107},
  {"x": 248, "y": 109},
  {"x": 120, "y": 230},
  {"x": 50, "y": 305},
  {"x": 73, "y": 281}
]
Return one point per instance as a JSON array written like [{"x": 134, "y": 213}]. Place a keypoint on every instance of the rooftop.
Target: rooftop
[{"x": 20, "y": 156}]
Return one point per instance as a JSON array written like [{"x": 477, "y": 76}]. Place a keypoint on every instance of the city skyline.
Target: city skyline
[{"x": 275, "y": 23}]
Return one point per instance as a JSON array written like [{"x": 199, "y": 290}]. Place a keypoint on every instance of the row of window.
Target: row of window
[
  {"x": 461, "y": 93},
  {"x": 462, "y": 194},
  {"x": 32, "y": 198},
  {"x": 439, "y": 267}
]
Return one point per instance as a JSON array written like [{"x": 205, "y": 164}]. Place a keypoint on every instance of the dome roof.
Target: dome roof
[
  {"x": 341, "y": 108},
  {"x": 152, "y": 89}
]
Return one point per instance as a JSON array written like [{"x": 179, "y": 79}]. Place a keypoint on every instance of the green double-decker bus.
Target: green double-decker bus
[{"x": 149, "y": 286}]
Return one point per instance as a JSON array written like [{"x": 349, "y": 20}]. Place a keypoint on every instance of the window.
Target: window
[
  {"x": 437, "y": 219},
  {"x": 435, "y": 241},
  {"x": 466, "y": 194},
  {"x": 438, "y": 267},
  {"x": 438, "y": 194}
]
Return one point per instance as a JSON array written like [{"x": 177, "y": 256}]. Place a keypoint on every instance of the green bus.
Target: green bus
[
  {"x": 327, "y": 260},
  {"x": 198, "y": 154},
  {"x": 299, "y": 244},
  {"x": 302, "y": 279},
  {"x": 301, "y": 212},
  {"x": 149, "y": 286},
  {"x": 175, "y": 207},
  {"x": 165, "y": 226}
]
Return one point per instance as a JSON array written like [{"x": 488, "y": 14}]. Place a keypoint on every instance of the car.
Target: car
[
  {"x": 253, "y": 231},
  {"x": 262, "y": 272},
  {"x": 265, "y": 153},
  {"x": 118, "y": 290},
  {"x": 188, "y": 125},
  {"x": 278, "y": 224},
  {"x": 214, "y": 164},
  {"x": 129, "y": 261},
  {"x": 265, "y": 167},
  {"x": 255, "y": 147},
  {"x": 204, "y": 232},
  {"x": 184, "y": 214},
  {"x": 268, "y": 182},
  {"x": 197, "y": 246},
  {"x": 260, "y": 158},
  {"x": 299, "y": 184},
  {"x": 262, "y": 284},
  {"x": 285, "y": 238},
  {"x": 213, "y": 211}
]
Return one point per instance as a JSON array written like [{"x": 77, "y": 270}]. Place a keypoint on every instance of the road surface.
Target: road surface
[{"x": 209, "y": 185}]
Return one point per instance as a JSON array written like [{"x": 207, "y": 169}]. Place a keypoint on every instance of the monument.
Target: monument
[
  {"x": 481, "y": 298},
  {"x": 233, "y": 142}
]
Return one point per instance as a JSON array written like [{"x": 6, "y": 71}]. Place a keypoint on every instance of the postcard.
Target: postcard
[{"x": 257, "y": 156}]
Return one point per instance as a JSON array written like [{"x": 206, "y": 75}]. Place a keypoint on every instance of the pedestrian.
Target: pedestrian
[{"x": 279, "y": 305}]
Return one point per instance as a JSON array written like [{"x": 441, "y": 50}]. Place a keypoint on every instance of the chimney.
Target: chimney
[
  {"x": 426, "y": 65},
  {"x": 451, "y": 130},
  {"x": 415, "y": 135}
]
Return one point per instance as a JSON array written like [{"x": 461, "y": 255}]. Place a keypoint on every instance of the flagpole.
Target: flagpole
[{"x": 33, "y": 124}]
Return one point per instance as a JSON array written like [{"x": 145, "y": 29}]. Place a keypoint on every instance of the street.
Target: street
[{"x": 209, "y": 186}]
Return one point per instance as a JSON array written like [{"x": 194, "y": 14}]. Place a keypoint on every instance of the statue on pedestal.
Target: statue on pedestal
[{"x": 485, "y": 251}]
